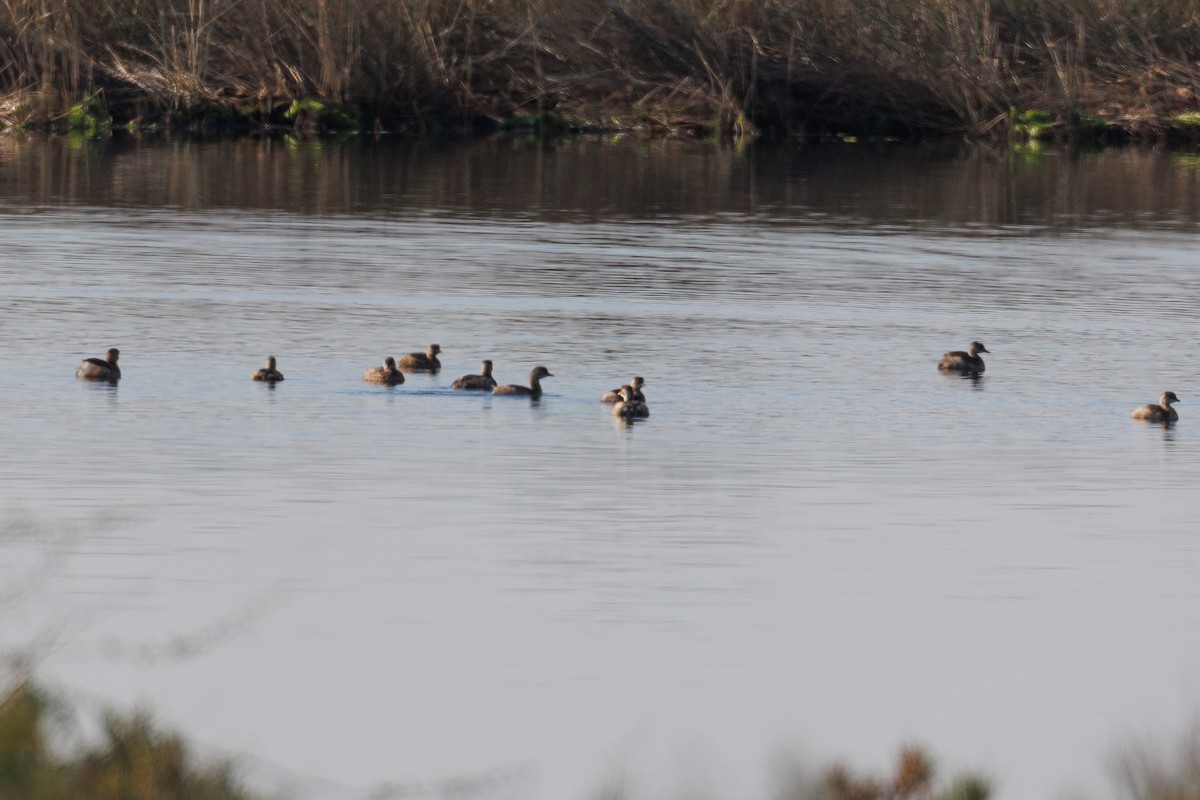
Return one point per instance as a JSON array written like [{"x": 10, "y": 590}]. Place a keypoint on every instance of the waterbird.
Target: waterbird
[
  {"x": 629, "y": 406},
  {"x": 958, "y": 361},
  {"x": 268, "y": 373},
  {"x": 95, "y": 369},
  {"x": 1159, "y": 413},
  {"x": 615, "y": 395},
  {"x": 483, "y": 380},
  {"x": 421, "y": 362},
  {"x": 534, "y": 390},
  {"x": 387, "y": 374}
]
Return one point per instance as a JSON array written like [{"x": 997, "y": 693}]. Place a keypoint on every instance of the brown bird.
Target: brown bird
[
  {"x": 629, "y": 406},
  {"x": 422, "y": 362},
  {"x": 534, "y": 390},
  {"x": 268, "y": 373},
  {"x": 615, "y": 395},
  {"x": 94, "y": 369},
  {"x": 483, "y": 380},
  {"x": 958, "y": 361},
  {"x": 387, "y": 374},
  {"x": 1159, "y": 413}
]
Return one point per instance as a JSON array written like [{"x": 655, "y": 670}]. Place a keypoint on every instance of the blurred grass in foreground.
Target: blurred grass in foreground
[{"x": 133, "y": 760}]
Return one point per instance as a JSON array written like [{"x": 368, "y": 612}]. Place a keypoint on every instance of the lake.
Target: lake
[{"x": 816, "y": 547}]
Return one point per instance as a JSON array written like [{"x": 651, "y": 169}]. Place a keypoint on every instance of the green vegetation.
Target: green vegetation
[
  {"x": 89, "y": 117},
  {"x": 133, "y": 761},
  {"x": 314, "y": 116},
  {"x": 738, "y": 68},
  {"x": 1030, "y": 126},
  {"x": 545, "y": 124}
]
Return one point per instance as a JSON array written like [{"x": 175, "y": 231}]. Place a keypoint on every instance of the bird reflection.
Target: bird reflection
[{"x": 974, "y": 378}]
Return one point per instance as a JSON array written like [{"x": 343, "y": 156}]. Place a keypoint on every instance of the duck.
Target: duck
[
  {"x": 268, "y": 373},
  {"x": 958, "y": 361},
  {"x": 387, "y": 374},
  {"x": 636, "y": 384},
  {"x": 422, "y": 362},
  {"x": 533, "y": 390},
  {"x": 629, "y": 406},
  {"x": 483, "y": 381},
  {"x": 106, "y": 369},
  {"x": 1159, "y": 413}
]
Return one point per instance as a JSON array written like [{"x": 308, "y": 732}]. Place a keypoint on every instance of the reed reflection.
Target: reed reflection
[{"x": 595, "y": 178}]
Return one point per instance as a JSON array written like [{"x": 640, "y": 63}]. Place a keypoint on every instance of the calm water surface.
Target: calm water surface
[{"x": 816, "y": 546}]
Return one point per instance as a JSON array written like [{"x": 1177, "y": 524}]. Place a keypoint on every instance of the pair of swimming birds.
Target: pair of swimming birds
[
  {"x": 107, "y": 369},
  {"x": 970, "y": 362},
  {"x": 390, "y": 373},
  {"x": 628, "y": 400}
]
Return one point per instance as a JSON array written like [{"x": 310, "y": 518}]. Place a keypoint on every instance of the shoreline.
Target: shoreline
[
  {"x": 205, "y": 124},
  {"x": 874, "y": 69}
]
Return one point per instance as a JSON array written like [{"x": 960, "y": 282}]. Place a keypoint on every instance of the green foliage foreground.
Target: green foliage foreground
[
  {"x": 132, "y": 761},
  {"x": 913, "y": 778}
]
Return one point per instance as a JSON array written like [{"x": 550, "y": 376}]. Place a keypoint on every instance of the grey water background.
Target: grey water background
[{"x": 817, "y": 546}]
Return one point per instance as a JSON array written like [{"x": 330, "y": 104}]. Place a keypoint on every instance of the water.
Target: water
[{"x": 816, "y": 546}]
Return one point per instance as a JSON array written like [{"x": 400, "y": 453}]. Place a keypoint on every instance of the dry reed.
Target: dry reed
[{"x": 734, "y": 67}]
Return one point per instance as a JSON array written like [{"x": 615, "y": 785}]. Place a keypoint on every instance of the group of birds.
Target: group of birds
[
  {"x": 971, "y": 363},
  {"x": 628, "y": 400}
]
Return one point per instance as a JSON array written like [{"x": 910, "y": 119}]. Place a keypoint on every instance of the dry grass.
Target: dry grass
[
  {"x": 1152, "y": 771},
  {"x": 737, "y": 67},
  {"x": 913, "y": 779}
]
